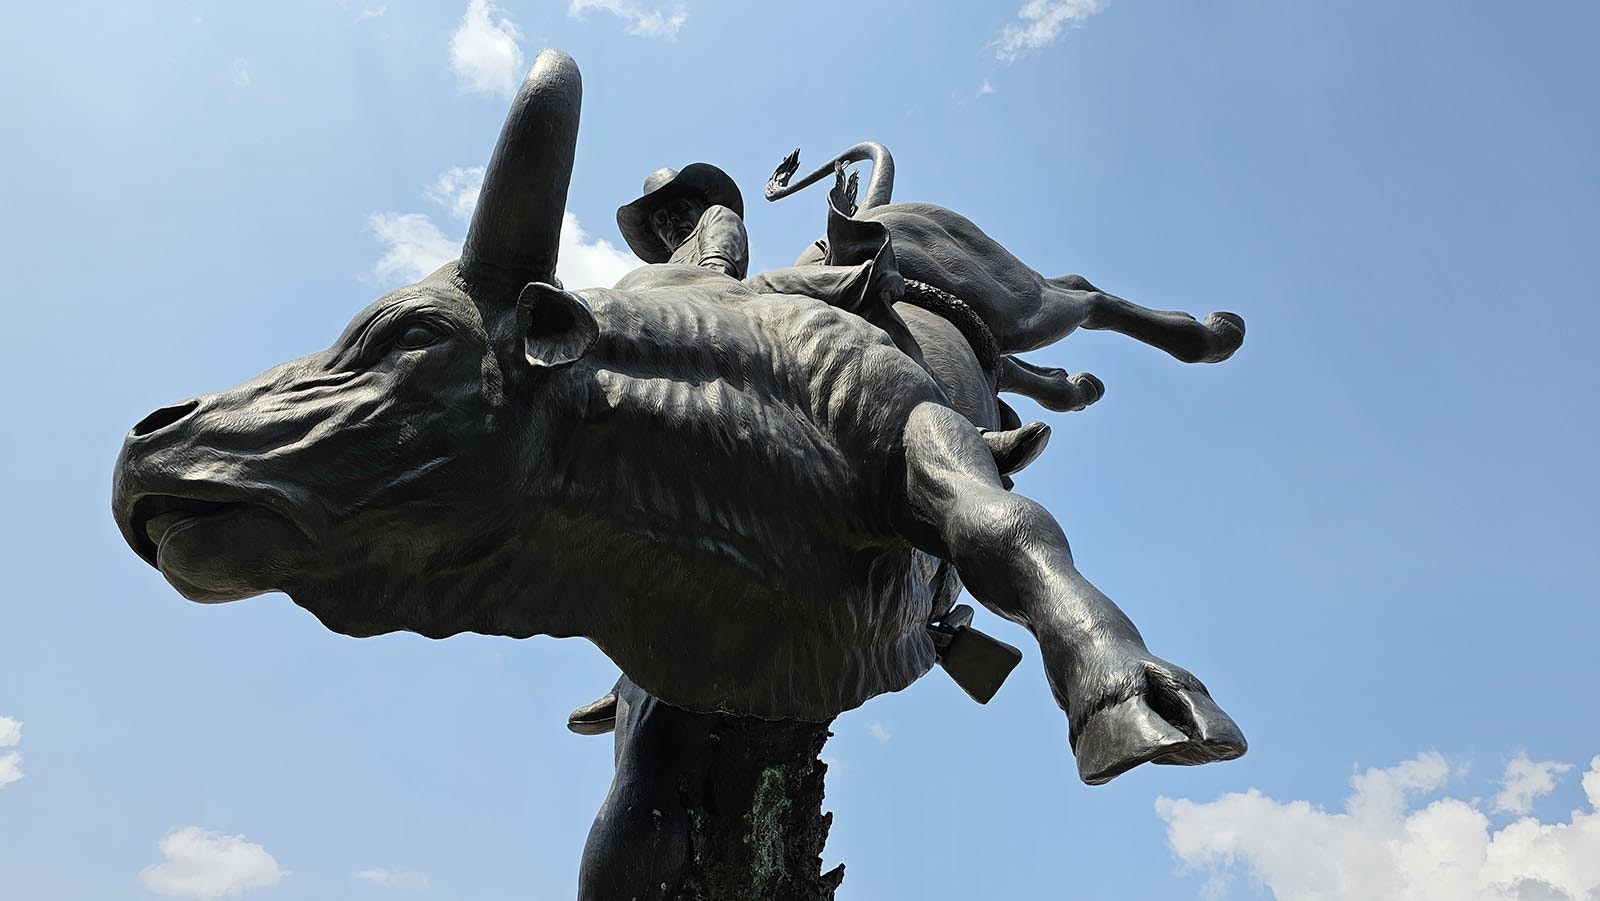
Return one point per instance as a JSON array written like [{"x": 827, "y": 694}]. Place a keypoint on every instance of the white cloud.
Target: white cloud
[
  {"x": 457, "y": 190},
  {"x": 660, "y": 22},
  {"x": 10, "y": 737},
  {"x": 206, "y": 865},
  {"x": 987, "y": 88},
  {"x": 403, "y": 879},
  {"x": 878, "y": 730},
  {"x": 239, "y": 72},
  {"x": 415, "y": 246},
  {"x": 1384, "y": 847},
  {"x": 1527, "y": 780},
  {"x": 587, "y": 262},
  {"x": 484, "y": 52},
  {"x": 1040, "y": 24}
]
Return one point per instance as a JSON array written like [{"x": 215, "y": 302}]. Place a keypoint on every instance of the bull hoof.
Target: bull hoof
[
  {"x": 596, "y": 717},
  {"x": 1090, "y": 388},
  {"x": 1062, "y": 393},
  {"x": 1170, "y": 719},
  {"x": 1053, "y": 388},
  {"x": 1227, "y": 333}
]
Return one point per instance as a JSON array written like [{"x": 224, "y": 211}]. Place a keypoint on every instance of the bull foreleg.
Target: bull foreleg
[{"x": 1125, "y": 706}]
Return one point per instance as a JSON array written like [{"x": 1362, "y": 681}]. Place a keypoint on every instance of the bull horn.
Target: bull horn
[{"x": 517, "y": 224}]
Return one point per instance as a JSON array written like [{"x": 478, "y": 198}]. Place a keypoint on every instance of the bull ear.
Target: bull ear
[{"x": 557, "y": 327}]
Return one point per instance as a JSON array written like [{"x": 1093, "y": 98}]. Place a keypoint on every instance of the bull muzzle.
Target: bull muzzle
[{"x": 212, "y": 535}]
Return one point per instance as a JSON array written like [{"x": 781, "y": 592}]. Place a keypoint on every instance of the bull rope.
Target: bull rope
[{"x": 961, "y": 315}]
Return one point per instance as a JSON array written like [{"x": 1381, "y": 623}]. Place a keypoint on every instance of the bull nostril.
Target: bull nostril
[{"x": 163, "y": 417}]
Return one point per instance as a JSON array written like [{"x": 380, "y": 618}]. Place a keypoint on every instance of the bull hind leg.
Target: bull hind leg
[
  {"x": 1179, "y": 334},
  {"x": 1125, "y": 706},
  {"x": 1053, "y": 388}
]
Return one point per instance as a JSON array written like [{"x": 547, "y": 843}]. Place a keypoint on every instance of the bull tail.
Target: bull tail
[{"x": 879, "y": 187}]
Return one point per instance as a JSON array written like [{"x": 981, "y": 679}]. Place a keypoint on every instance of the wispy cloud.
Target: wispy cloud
[
  {"x": 414, "y": 245},
  {"x": 239, "y": 73},
  {"x": 403, "y": 879},
  {"x": 1039, "y": 24},
  {"x": 365, "y": 11},
  {"x": 456, "y": 189},
  {"x": 589, "y": 262},
  {"x": 1526, "y": 781},
  {"x": 484, "y": 53},
  {"x": 10, "y": 763},
  {"x": 659, "y": 22},
  {"x": 208, "y": 865},
  {"x": 879, "y": 731},
  {"x": 1386, "y": 847},
  {"x": 987, "y": 87}
]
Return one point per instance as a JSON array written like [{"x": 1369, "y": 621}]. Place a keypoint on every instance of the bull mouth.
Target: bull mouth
[
  {"x": 156, "y": 517},
  {"x": 215, "y": 550}
]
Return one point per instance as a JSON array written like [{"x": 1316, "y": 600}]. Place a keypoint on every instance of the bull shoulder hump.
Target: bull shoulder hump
[
  {"x": 803, "y": 391},
  {"x": 780, "y": 350}
]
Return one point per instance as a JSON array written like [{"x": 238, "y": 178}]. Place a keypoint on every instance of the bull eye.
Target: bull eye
[{"x": 417, "y": 335}]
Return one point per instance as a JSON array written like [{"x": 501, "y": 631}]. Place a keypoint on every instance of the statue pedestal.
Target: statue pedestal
[{"x": 705, "y": 807}]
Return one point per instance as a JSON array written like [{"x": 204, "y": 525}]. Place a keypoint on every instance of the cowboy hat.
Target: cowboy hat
[{"x": 700, "y": 180}]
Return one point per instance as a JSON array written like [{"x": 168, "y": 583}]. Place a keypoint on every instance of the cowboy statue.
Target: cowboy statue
[{"x": 693, "y": 216}]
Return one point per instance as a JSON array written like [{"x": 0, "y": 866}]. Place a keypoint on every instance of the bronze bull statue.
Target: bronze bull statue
[{"x": 743, "y": 499}]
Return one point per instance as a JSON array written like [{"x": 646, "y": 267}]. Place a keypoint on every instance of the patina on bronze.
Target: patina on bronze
[{"x": 755, "y": 503}]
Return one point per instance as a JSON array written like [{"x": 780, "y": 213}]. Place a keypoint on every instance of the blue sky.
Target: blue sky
[{"x": 1372, "y": 533}]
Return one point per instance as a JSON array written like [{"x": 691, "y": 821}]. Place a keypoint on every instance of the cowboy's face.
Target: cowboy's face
[{"x": 674, "y": 220}]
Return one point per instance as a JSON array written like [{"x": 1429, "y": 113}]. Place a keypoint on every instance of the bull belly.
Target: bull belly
[{"x": 815, "y": 630}]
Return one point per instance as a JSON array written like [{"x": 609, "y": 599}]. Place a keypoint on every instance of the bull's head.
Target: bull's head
[{"x": 376, "y": 481}]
